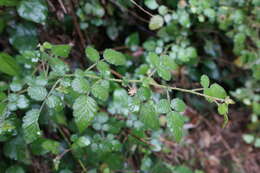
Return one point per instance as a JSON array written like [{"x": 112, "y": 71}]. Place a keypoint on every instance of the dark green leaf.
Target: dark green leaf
[
  {"x": 114, "y": 57},
  {"x": 84, "y": 110},
  {"x": 8, "y": 65},
  {"x": 148, "y": 116}
]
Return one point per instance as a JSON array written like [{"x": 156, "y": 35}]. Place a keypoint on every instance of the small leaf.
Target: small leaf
[
  {"x": 143, "y": 93},
  {"x": 164, "y": 73},
  {"x": 163, "y": 106},
  {"x": 178, "y": 105},
  {"x": 58, "y": 66},
  {"x": 51, "y": 145},
  {"x": 175, "y": 122},
  {"x": 8, "y": 65},
  {"x": 204, "y": 81},
  {"x": 33, "y": 10},
  {"x": 101, "y": 90},
  {"x": 30, "y": 125},
  {"x": 153, "y": 59},
  {"x": 248, "y": 138},
  {"x": 223, "y": 109},
  {"x": 61, "y": 50},
  {"x": 37, "y": 93},
  {"x": 168, "y": 62},
  {"x": 257, "y": 143},
  {"x": 151, "y": 4},
  {"x": 84, "y": 110},
  {"x": 149, "y": 117},
  {"x": 92, "y": 54},
  {"x": 80, "y": 85},
  {"x": 156, "y": 22},
  {"x": 215, "y": 90},
  {"x": 15, "y": 169},
  {"x": 114, "y": 57}
]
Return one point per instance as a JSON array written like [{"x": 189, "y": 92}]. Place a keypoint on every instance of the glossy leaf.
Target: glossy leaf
[
  {"x": 114, "y": 57},
  {"x": 80, "y": 85},
  {"x": 37, "y": 93},
  {"x": 149, "y": 117},
  {"x": 92, "y": 54},
  {"x": 175, "y": 122}
]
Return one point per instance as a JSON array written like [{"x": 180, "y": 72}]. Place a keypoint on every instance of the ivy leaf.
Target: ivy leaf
[
  {"x": 178, "y": 105},
  {"x": 175, "y": 122},
  {"x": 8, "y": 65},
  {"x": 84, "y": 109},
  {"x": 149, "y": 117},
  {"x": 204, "y": 81},
  {"x": 215, "y": 90},
  {"x": 114, "y": 57},
  {"x": 80, "y": 85},
  {"x": 156, "y": 22},
  {"x": 163, "y": 106},
  {"x": 92, "y": 54},
  {"x": 33, "y": 10},
  {"x": 37, "y": 93},
  {"x": 30, "y": 125},
  {"x": 101, "y": 90},
  {"x": 61, "y": 50}
]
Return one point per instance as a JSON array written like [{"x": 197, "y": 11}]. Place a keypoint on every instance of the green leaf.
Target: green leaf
[
  {"x": 178, "y": 105},
  {"x": 164, "y": 73},
  {"x": 101, "y": 90},
  {"x": 151, "y": 4},
  {"x": 24, "y": 37},
  {"x": 163, "y": 106},
  {"x": 37, "y": 93},
  {"x": 84, "y": 110},
  {"x": 8, "y": 65},
  {"x": 175, "y": 122},
  {"x": 257, "y": 143},
  {"x": 15, "y": 149},
  {"x": 80, "y": 85},
  {"x": 156, "y": 22},
  {"x": 153, "y": 59},
  {"x": 114, "y": 57},
  {"x": 215, "y": 90},
  {"x": 61, "y": 50},
  {"x": 15, "y": 169},
  {"x": 54, "y": 102},
  {"x": 204, "y": 81},
  {"x": 248, "y": 138},
  {"x": 30, "y": 125},
  {"x": 169, "y": 63},
  {"x": 148, "y": 116},
  {"x": 8, "y": 3},
  {"x": 143, "y": 93},
  {"x": 58, "y": 66},
  {"x": 223, "y": 109},
  {"x": 92, "y": 54},
  {"x": 33, "y": 10},
  {"x": 132, "y": 41},
  {"x": 51, "y": 146}
]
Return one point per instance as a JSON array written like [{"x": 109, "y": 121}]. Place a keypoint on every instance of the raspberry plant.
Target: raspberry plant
[{"x": 119, "y": 102}]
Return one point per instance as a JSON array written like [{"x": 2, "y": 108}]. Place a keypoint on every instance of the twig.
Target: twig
[
  {"x": 141, "y": 8},
  {"x": 63, "y": 7}
]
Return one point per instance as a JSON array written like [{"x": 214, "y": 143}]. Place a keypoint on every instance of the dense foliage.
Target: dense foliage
[{"x": 89, "y": 104}]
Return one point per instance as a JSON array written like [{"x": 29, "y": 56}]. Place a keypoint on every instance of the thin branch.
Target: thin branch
[{"x": 141, "y": 8}]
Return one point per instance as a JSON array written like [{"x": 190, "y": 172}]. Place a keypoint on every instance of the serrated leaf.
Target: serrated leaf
[
  {"x": 178, "y": 105},
  {"x": 164, "y": 73},
  {"x": 143, "y": 93},
  {"x": 175, "y": 122},
  {"x": 8, "y": 65},
  {"x": 58, "y": 66},
  {"x": 92, "y": 54},
  {"x": 163, "y": 106},
  {"x": 204, "y": 81},
  {"x": 84, "y": 110},
  {"x": 149, "y": 117},
  {"x": 156, "y": 22},
  {"x": 30, "y": 125},
  {"x": 80, "y": 85},
  {"x": 153, "y": 59},
  {"x": 61, "y": 50},
  {"x": 223, "y": 109},
  {"x": 101, "y": 90},
  {"x": 37, "y": 93},
  {"x": 114, "y": 57},
  {"x": 33, "y": 10},
  {"x": 54, "y": 102}
]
